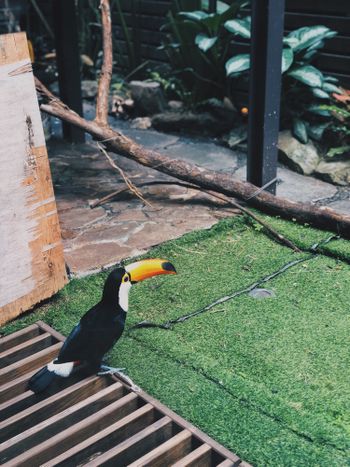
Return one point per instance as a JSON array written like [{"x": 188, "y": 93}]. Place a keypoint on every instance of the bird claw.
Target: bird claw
[{"x": 107, "y": 370}]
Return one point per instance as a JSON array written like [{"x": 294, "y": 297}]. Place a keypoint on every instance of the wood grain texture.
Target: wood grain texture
[{"x": 32, "y": 265}]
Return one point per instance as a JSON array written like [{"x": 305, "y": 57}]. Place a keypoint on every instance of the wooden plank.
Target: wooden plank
[
  {"x": 18, "y": 337},
  {"x": 117, "y": 434},
  {"x": 226, "y": 463},
  {"x": 14, "y": 388},
  {"x": 46, "y": 328},
  {"x": 32, "y": 265},
  {"x": 188, "y": 426},
  {"x": 52, "y": 426},
  {"x": 25, "y": 349},
  {"x": 200, "y": 457},
  {"x": 65, "y": 439},
  {"x": 135, "y": 446},
  {"x": 167, "y": 453},
  {"x": 14, "y": 405},
  {"x": 28, "y": 364},
  {"x": 43, "y": 410}
]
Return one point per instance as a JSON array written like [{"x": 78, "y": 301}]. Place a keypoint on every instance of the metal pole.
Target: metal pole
[
  {"x": 68, "y": 62},
  {"x": 265, "y": 91}
]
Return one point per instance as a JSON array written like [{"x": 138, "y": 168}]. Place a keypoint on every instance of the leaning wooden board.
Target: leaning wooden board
[
  {"x": 31, "y": 254},
  {"x": 93, "y": 421}
]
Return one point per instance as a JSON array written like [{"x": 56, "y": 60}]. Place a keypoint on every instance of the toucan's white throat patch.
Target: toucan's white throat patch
[{"x": 123, "y": 295}]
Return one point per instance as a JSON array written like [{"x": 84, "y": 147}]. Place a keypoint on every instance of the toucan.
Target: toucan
[{"x": 100, "y": 328}]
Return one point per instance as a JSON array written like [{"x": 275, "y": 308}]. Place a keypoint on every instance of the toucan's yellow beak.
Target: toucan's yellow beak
[{"x": 148, "y": 268}]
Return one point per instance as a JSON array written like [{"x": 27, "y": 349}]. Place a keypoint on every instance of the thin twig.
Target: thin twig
[
  {"x": 107, "y": 65},
  {"x": 127, "y": 181},
  {"x": 170, "y": 323},
  {"x": 276, "y": 235}
]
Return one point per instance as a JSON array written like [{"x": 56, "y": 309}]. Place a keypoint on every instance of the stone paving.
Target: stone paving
[{"x": 125, "y": 227}]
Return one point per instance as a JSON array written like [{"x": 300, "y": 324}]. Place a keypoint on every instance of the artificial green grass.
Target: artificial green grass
[{"x": 267, "y": 378}]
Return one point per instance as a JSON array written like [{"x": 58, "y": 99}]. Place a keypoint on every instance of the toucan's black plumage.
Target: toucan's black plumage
[{"x": 101, "y": 327}]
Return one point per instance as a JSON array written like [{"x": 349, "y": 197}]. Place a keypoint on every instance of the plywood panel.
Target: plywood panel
[{"x": 32, "y": 266}]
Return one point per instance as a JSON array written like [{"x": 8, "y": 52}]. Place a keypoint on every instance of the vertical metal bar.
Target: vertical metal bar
[
  {"x": 68, "y": 62},
  {"x": 265, "y": 90}
]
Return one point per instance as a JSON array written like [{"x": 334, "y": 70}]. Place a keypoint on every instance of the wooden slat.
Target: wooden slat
[
  {"x": 51, "y": 426},
  {"x": 67, "y": 438},
  {"x": 168, "y": 452},
  {"x": 188, "y": 426},
  {"x": 18, "y": 337},
  {"x": 200, "y": 457},
  {"x": 30, "y": 363},
  {"x": 19, "y": 398},
  {"x": 15, "y": 387},
  {"x": 226, "y": 463},
  {"x": 44, "y": 409},
  {"x": 119, "y": 433},
  {"x": 46, "y": 328},
  {"x": 25, "y": 349},
  {"x": 91, "y": 422},
  {"x": 135, "y": 446},
  {"x": 14, "y": 405}
]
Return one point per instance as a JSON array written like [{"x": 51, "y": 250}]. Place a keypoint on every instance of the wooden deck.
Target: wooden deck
[{"x": 93, "y": 421}]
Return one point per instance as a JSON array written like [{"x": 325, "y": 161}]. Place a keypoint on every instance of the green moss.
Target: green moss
[{"x": 267, "y": 378}]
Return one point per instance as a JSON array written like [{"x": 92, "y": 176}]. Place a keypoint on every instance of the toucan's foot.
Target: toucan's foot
[{"x": 107, "y": 370}]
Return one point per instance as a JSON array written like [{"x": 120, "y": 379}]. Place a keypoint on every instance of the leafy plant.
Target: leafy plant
[
  {"x": 340, "y": 128},
  {"x": 197, "y": 45},
  {"x": 304, "y": 87}
]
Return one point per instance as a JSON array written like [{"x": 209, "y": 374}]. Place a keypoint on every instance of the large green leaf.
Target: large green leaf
[
  {"x": 287, "y": 58},
  {"x": 317, "y": 92},
  {"x": 193, "y": 15},
  {"x": 330, "y": 87},
  {"x": 237, "y": 64},
  {"x": 331, "y": 79},
  {"x": 239, "y": 27},
  {"x": 316, "y": 131},
  {"x": 300, "y": 130},
  {"x": 309, "y": 75},
  {"x": 205, "y": 42},
  {"x": 337, "y": 151},
  {"x": 308, "y": 36},
  {"x": 319, "y": 110}
]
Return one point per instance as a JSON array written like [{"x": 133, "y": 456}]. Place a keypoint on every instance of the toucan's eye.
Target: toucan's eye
[{"x": 126, "y": 278}]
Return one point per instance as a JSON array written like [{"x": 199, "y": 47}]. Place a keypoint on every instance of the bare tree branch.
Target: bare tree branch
[
  {"x": 107, "y": 65},
  {"x": 321, "y": 217}
]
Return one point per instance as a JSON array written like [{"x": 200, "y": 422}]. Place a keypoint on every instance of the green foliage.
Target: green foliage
[
  {"x": 303, "y": 85},
  {"x": 197, "y": 45},
  {"x": 340, "y": 128}
]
